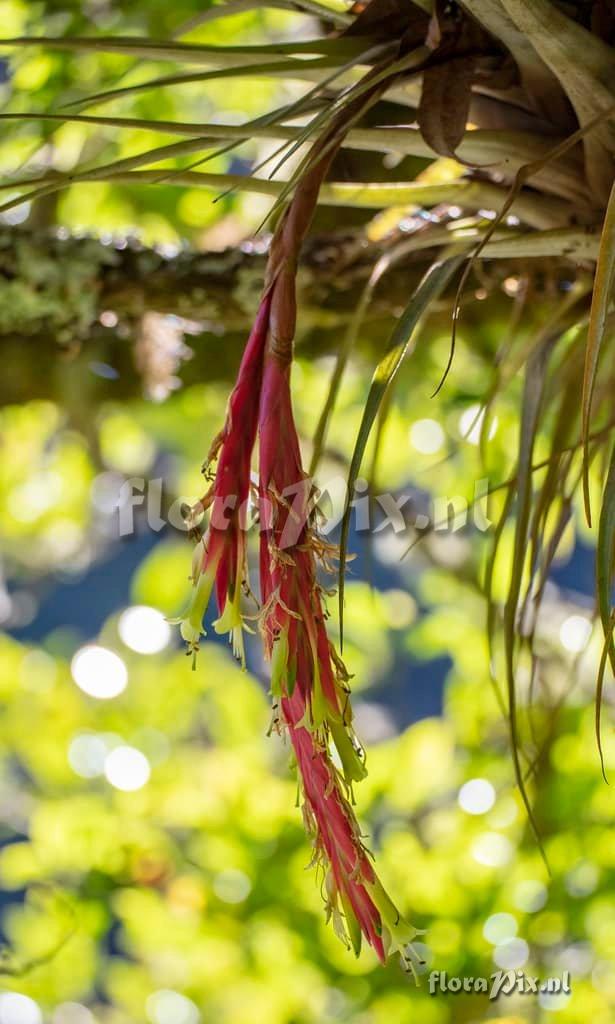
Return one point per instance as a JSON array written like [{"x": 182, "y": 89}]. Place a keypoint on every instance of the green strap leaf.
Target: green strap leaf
[
  {"x": 233, "y": 7},
  {"x": 489, "y": 599},
  {"x": 535, "y": 374},
  {"x": 601, "y": 298},
  {"x": 382, "y": 265},
  {"x": 431, "y": 286},
  {"x": 357, "y": 195},
  {"x": 193, "y": 53},
  {"x": 607, "y": 653},
  {"x": 605, "y": 555},
  {"x": 287, "y": 69},
  {"x": 605, "y": 571}
]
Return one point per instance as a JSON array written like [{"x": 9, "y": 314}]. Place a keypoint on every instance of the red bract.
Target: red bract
[
  {"x": 309, "y": 682},
  {"x": 337, "y": 843},
  {"x": 220, "y": 556}
]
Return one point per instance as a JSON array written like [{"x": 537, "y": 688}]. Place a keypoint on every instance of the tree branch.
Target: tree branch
[
  {"x": 73, "y": 310},
  {"x": 85, "y": 320}
]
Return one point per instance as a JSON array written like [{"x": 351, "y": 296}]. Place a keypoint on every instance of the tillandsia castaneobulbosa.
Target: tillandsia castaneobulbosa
[{"x": 309, "y": 683}]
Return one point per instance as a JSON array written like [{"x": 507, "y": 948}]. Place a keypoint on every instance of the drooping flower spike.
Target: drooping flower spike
[{"x": 309, "y": 683}]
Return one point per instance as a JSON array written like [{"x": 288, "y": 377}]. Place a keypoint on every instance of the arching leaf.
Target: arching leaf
[{"x": 432, "y": 285}]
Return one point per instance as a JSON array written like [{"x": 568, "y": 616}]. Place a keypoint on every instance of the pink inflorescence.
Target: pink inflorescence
[{"x": 309, "y": 683}]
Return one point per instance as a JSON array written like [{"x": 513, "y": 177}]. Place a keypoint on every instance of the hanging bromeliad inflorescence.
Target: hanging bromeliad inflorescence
[{"x": 309, "y": 683}]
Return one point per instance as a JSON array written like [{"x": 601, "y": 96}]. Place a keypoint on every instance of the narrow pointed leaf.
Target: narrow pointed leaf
[
  {"x": 288, "y": 69},
  {"x": 605, "y": 657},
  {"x": 357, "y": 195},
  {"x": 532, "y": 400},
  {"x": 489, "y": 599},
  {"x": 427, "y": 292},
  {"x": 192, "y": 53},
  {"x": 605, "y": 559},
  {"x": 233, "y": 7},
  {"x": 602, "y": 296}
]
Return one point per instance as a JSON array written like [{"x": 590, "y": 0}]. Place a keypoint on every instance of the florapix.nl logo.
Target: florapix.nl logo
[
  {"x": 500, "y": 983},
  {"x": 401, "y": 513}
]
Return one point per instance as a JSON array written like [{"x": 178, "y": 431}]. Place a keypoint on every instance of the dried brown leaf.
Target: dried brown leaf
[{"x": 445, "y": 104}]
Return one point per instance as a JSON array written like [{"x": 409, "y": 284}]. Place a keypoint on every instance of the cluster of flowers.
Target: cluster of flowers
[{"x": 309, "y": 683}]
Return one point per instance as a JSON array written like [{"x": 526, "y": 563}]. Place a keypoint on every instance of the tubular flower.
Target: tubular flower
[
  {"x": 309, "y": 682},
  {"x": 219, "y": 560}
]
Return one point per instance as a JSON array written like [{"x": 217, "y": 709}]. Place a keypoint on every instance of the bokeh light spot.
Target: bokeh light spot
[
  {"x": 530, "y": 896},
  {"x": 143, "y": 629},
  {"x": 126, "y": 768},
  {"x": 477, "y": 796},
  {"x": 499, "y": 927},
  {"x": 16, "y": 1008},
  {"x": 582, "y": 879},
  {"x": 574, "y": 633},
  {"x": 427, "y": 436},
  {"x": 72, "y": 1013},
  {"x": 99, "y": 672},
  {"x": 553, "y": 1001},
  {"x": 232, "y": 886},
  {"x": 86, "y": 755},
  {"x": 492, "y": 850},
  {"x": 471, "y": 424},
  {"x": 169, "y": 1007},
  {"x": 511, "y": 954}
]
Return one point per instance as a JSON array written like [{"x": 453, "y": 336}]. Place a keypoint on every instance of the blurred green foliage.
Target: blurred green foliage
[
  {"x": 195, "y": 884},
  {"x": 48, "y": 80},
  {"x": 186, "y": 898}
]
